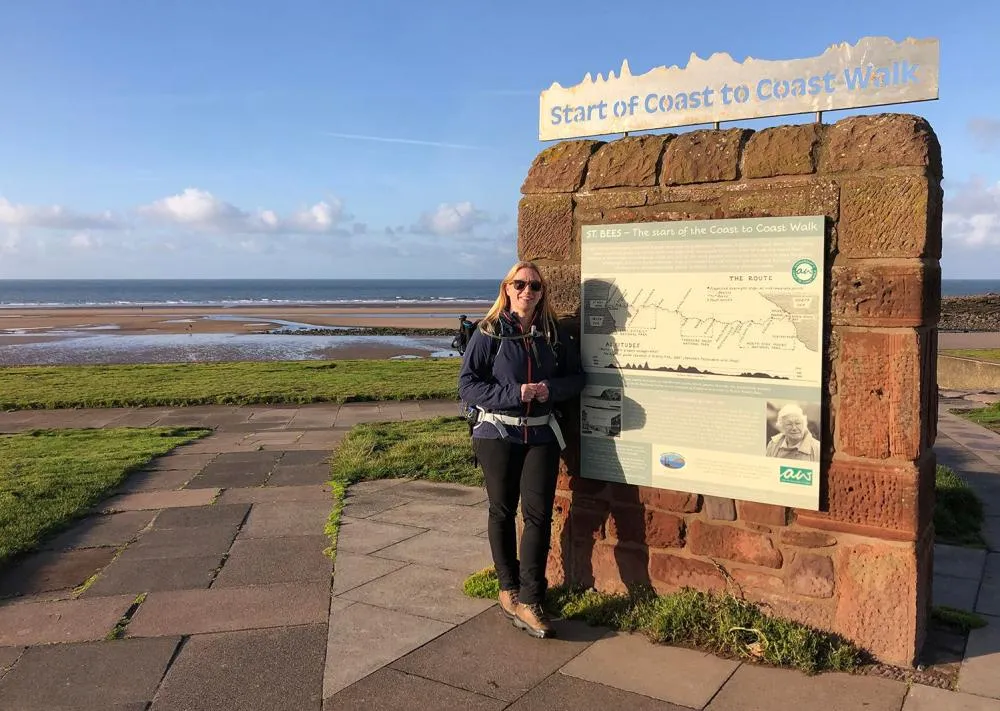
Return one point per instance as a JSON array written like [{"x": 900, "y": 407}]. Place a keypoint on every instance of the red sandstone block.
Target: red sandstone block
[
  {"x": 766, "y": 514},
  {"x": 878, "y": 381},
  {"x": 673, "y": 572},
  {"x": 880, "y": 142},
  {"x": 890, "y": 216},
  {"x": 877, "y": 599},
  {"x": 892, "y": 501},
  {"x": 564, "y": 287},
  {"x": 648, "y": 527},
  {"x": 665, "y": 499},
  {"x": 733, "y": 543},
  {"x": 782, "y": 150},
  {"x": 545, "y": 227},
  {"x": 807, "y": 539},
  {"x": 756, "y": 580},
  {"x": 811, "y": 575},
  {"x": 783, "y": 197},
  {"x": 627, "y": 162},
  {"x": 885, "y": 293},
  {"x": 587, "y": 524},
  {"x": 708, "y": 156},
  {"x": 560, "y": 168},
  {"x": 610, "y": 568}
]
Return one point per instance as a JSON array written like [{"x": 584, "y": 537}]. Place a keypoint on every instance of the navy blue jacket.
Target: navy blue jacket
[{"x": 497, "y": 388}]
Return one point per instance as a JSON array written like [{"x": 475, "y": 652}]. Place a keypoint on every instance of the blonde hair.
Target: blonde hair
[{"x": 543, "y": 308}]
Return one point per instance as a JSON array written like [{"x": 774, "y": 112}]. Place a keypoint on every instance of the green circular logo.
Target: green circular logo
[{"x": 805, "y": 271}]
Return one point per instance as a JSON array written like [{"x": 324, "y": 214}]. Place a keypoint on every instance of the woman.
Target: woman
[{"x": 517, "y": 364}]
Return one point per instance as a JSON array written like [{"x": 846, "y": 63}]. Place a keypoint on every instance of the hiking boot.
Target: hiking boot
[
  {"x": 533, "y": 620},
  {"x": 508, "y": 603}
]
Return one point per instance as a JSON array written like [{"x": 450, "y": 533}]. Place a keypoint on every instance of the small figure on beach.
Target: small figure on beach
[{"x": 517, "y": 364}]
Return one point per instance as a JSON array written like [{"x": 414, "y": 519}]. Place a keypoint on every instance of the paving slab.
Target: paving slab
[
  {"x": 566, "y": 693},
  {"x": 358, "y": 535},
  {"x": 353, "y": 570},
  {"x": 366, "y": 487},
  {"x": 149, "y": 500},
  {"x": 759, "y": 688},
  {"x": 988, "y": 602},
  {"x": 156, "y": 481},
  {"x": 299, "y": 474},
  {"x": 276, "y": 494},
  {"x": 391, "y": 690},
  {"x": 263, "y": 670},
  {"x": 229, "y": 609},
  {"x": 279, "y": 437},
  {"x": 978, "y": 674},
  {"x": 631, "y": 662},
  {"x": 489, "y": 656},
  {"x": 365, "y": 505},
  {"x": 102, "y": 530},
  {"x": 959, "y": 562},
  {"x": 287, "y": 518},
  {"x": 363, "y": 639},
  {"x": 92, "y": 676},
  {"x": 304, "y": 457},
  {"x": 261, "y": 561},
  {"x": 991, "y": 532},
  {"x": 130, "y": 576},
  {"x": 196, "y": 516},
  {"x": 231, "y": 475},
  {"x": 313, "y": 419},
  {"x": 53, "y": 570},
  {"x": 181, "y": 543},
  {"x": 929, "y": 698},
  {"x": 441, "y": 492},
  {"x": 451, "y": 551},
  {"x": 273, "y": 414},
  {"x": 959, "y": 593},
  {"x": 320, "y": 439},
  {"x": 465, "y": 520},
  {"x": 28, "y": 623},
  {"x": 8, "y": 657},
  {"x": 177, "y": 460},
  {"x": 423, "y": 591},
  {"x": 222, "y": 443}
]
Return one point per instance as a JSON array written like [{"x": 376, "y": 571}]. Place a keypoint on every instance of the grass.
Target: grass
[
  {"x": 435, "y": 450},
  {"x": 990, "y": 354},
  {"x": 988, "y": 417},
  {"x": 49, "y": 477},
  {"x": 47, "y": 387},
  {"x": 958, "y": 512},
  {"x": 716, "y": 622},
  {"x": 960, "y": 621}
]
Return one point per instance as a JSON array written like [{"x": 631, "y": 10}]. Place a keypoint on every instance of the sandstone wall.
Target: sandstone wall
[{"x": 862, "y": 566}]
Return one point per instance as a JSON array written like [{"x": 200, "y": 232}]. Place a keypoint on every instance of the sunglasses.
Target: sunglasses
[{"x": 519, "y": 285}]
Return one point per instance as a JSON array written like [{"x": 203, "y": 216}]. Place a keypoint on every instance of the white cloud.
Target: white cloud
[
  {"x": 53, "y": 217},
  {"x": 972, "y": 216},
  {"x": 9, "y": 245},
  {"x": 201, "y": 210},
  {"x": 986, "y": 131},
  {"x": 451, "y": 219},
  {"x": 85, "y": 240}
]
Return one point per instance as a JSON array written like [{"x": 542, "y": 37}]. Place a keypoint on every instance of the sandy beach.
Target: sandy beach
[
  {"x": 221, "y": 319},
  {"x": 170, "y": 334}
]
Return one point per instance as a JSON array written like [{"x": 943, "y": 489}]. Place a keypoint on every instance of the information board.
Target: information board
[{"x": 703, "y": 342}]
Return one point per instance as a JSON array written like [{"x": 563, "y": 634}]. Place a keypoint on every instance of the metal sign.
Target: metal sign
[{"x": 874, "y": 72}]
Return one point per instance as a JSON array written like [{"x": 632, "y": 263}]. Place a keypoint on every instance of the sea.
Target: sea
[{"x": 262, "y": 292}]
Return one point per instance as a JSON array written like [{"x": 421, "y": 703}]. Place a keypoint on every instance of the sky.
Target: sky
[{"x": 324, "y": 139}]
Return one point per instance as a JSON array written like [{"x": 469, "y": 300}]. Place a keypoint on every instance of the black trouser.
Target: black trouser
[{"x": 527, "y": 472}]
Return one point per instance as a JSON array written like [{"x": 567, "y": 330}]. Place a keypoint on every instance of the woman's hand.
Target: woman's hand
[
  {"x": 528, "y": 392},
  {"x": 541, "y": 392}
]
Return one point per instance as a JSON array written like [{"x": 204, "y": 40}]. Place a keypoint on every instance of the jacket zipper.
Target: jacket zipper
[{"x": 527, "y": 353}]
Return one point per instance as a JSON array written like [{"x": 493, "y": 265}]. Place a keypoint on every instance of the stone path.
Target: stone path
[{"x": 209, "y": 568}]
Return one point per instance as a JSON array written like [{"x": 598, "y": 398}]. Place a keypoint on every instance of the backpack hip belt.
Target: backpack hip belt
[{"x": 513, "y": 421}]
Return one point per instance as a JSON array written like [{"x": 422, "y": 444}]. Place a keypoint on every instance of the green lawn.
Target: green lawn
[
  {"x": 988, "y": 417},
  {"x": 436, "y": 450},
  {"x": 49, "y": 477},
  {"x": 990, "y": 354},
  {"x": 227, "y": 383},
  {"x": 958, "y": 512}
]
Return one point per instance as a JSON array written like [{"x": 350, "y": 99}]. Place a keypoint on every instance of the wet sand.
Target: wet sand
[{"x": 218, "y": 319}]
